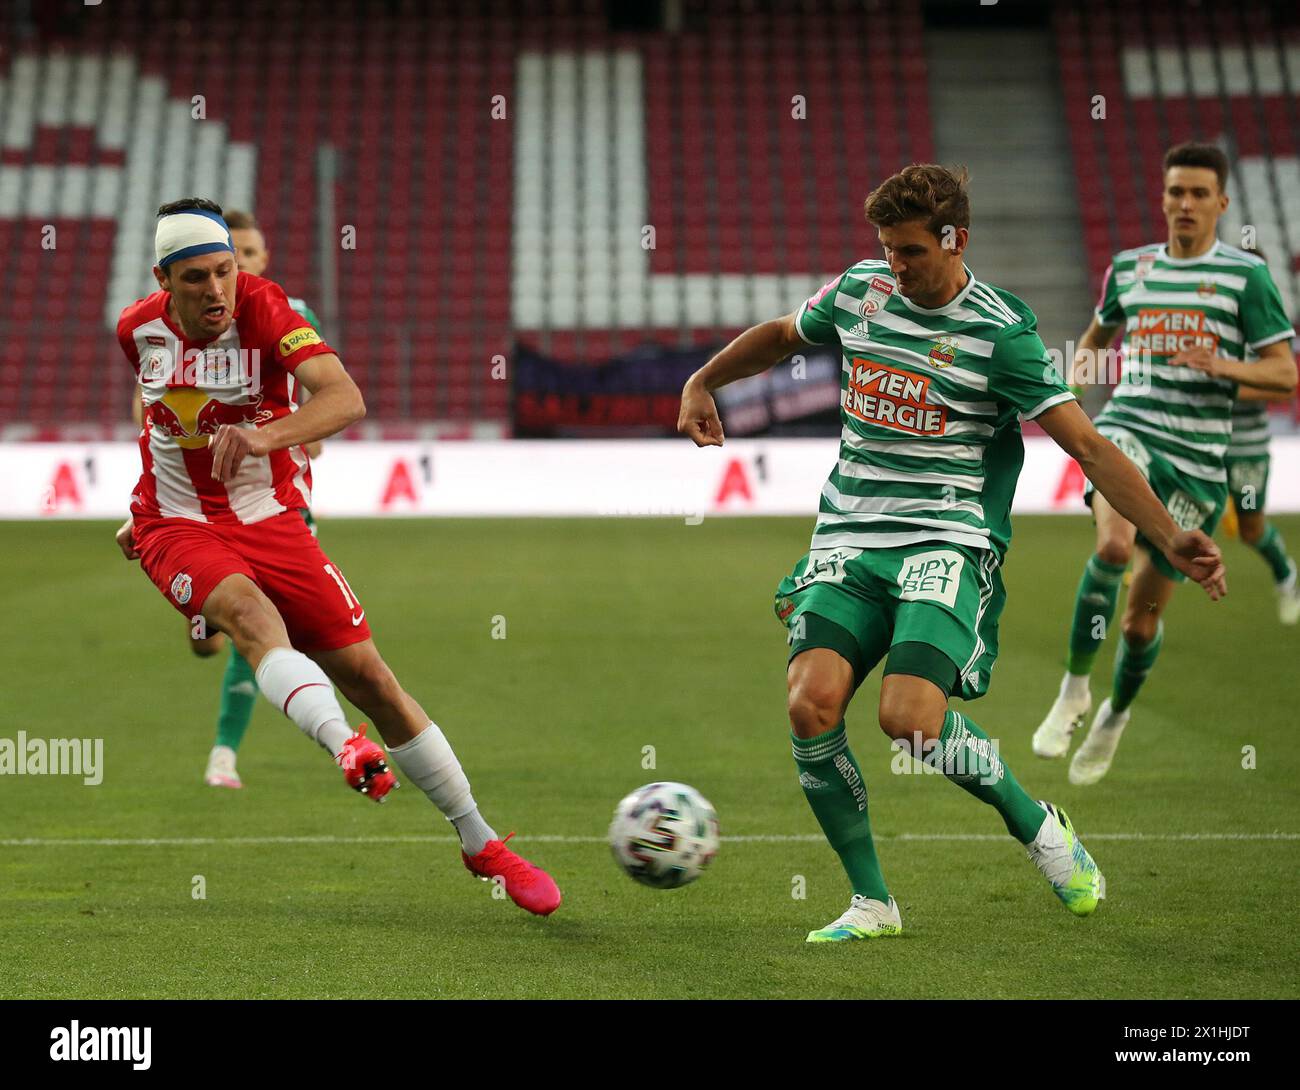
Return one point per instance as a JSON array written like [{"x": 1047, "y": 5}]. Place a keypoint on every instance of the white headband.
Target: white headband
[{"x": 188, "y": 234}]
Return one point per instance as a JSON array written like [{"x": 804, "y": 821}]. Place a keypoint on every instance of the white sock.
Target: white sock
[
  {"x": 1074, "y": 688},
  {"x": 474, "y": 832},
  {"x": 300, "y": 690},
  {"x": 428, "y": 762}
]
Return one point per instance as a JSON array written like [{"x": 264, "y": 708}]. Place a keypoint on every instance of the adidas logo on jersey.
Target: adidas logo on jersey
[{"x": 810, "y": 782}]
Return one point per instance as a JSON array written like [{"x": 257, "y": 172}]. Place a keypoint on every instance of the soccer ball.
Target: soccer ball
[{"x": 664, "y": 834}]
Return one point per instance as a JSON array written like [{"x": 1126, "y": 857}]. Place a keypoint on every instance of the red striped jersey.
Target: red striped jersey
[{"x": 189, "y": 389}]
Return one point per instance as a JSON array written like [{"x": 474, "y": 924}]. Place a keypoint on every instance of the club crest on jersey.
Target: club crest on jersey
[
  {"x": 182, "y": 588},
  {"x": 877, "y": 297},
  {"x": 1206, "y": 288},
  {"x": 944, "y": 351},
  {"x": 1144, "y": 264},
  {"x": 216, "y": 367}
]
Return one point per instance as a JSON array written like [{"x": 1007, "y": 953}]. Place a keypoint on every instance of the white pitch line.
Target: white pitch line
[{"x": 761, "y": 838}]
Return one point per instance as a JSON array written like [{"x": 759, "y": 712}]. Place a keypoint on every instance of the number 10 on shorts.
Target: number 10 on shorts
[{"x": 346, "y": 591}]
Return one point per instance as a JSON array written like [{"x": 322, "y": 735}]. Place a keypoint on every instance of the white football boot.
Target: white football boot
[
  {"x": 1092, "y": 759},
  {"x": 1288, "y": 598},
  {"x": 865, "y": 919},
  {"x": 1052, "y": 738},
  {"x": 1057, "y": 852},
  {"x": 221, "y": 768}
]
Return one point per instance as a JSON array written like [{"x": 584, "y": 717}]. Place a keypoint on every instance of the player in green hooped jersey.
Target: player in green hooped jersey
[
  {"x": 914, "y": 525},
  {"x": 238, "y": 685},
  {"x": 1191, "y": 309},
  {"x": 1247, "y": 463}
]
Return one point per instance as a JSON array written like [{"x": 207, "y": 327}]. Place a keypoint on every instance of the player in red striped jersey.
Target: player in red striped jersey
[{"x": 215, "y": 519}]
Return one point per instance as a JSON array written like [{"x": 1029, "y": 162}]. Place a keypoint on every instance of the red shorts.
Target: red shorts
[{"x": 187, "y": 559}]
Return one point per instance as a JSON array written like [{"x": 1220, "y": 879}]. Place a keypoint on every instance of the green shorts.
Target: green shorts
[
  {"x": 932, "y": 607},
  {"x": 1248, "y": 482},
  {"x": 1193, "y": 503}
]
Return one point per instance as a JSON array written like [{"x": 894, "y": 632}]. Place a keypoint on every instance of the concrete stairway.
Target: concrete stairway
[{"x": 996, "y": 99}]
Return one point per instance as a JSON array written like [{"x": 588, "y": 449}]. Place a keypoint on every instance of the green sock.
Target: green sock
[
  {"x": 1132, "y": 665},
  {"x": 1273, "y": 549},
  {"x": 238, "y": 695},
  {"x": 836, "y": 791},
  {"x": 966, "y": 756},
  {"x": 1094, "y": 609}
]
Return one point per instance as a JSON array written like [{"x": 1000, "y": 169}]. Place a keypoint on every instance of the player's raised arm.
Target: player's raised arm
[
  {"x": 334, "y": 404},
  {"x": 1093, "y": 342},
  {"x": 753, "y": 352},
  {"x": 1273, "y": 373},
  {"x": 1190, "y": 551}
]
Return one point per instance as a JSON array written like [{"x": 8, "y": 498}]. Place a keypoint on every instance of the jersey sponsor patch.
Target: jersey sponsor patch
[
  {"x": 1247, "y": 473},
  {"x": 881, "y": 290},
  {"x": 1166, "y": 331},
  {"x": 299, "y": 338},
  {"x": 931, "y": 577},
  {"x": 1187, "y": 513},
  {"x": 825, "y": 566},
  {"x": 882, "y": 395},
  {"x": 1131, "y": 447}
]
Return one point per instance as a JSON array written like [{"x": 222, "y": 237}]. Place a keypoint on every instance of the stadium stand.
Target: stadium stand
[
  {"x": 666, "y": 187},
  {"x": 700, "y": 135}
]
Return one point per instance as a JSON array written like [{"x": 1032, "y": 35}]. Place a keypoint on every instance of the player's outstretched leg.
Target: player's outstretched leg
[
  {"x": 1094, "y": 610},
  {"x": 291, "y": 681},
  {"x": 820, "y": 683},
  {"x": 420, "y": 749},
  {"x": 1141, "y": 637},
  {"x": 1262, "y": 536},
  {"x": 238, "y": 695},
  {"x": 914, "y": 712}
]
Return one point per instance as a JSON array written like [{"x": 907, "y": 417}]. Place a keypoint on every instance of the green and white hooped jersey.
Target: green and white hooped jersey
[
  {"x": 1249, "y": 437},
  {"x": 930, "y": 447},
  {"x": 1224, "y": 299}
]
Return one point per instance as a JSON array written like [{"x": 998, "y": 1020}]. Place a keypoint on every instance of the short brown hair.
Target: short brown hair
[
  {"x": 1192, "y": 154},
  {"x": 922, "y": 191},
  {"x": 241, "y": 221}
]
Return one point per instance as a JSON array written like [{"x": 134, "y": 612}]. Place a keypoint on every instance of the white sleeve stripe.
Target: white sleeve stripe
[
  {"x": 1043, "y": 406},
  {"x": 1284, "y": 335},
  {"x": 798, "y": 326}
]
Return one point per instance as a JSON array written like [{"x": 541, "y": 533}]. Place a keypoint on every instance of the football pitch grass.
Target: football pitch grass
[{"x": 621, "y": 634}]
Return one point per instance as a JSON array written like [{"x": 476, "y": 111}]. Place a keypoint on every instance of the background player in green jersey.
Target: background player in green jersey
[
  {"x": 1191, "y": 309},
  {"x": 914, "y": 523},
  {"x": 1248, "y": 464},
  {"x": 238, "y": 685}
]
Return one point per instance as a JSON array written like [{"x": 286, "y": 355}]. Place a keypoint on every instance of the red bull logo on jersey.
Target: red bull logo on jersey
[
  {"x": 890, "y": 398},
  {"x": 1166, "y": 332},
  {"x": 190, "y": 415}
]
